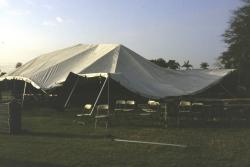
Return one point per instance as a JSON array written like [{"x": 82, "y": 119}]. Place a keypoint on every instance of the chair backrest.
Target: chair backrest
[
  {"x": 185, "y": 104},
  {"x": 130, "y": 102},
  {"x": 153, "y": 103},
  {"x": 102, "y": 109},
  {"x": 87, "y": 106},
  {"x": 197, "y": 107},
  {"x": 197, "y": 104},
  {"x": 120, "y": 102}
]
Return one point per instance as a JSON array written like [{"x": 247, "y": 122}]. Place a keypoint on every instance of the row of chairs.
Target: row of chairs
[
  {"x": 188, "y": 106},
  {"x": 103, "y": 111},
  {"x": 190, "y": 110},
  {"x": 125, "y": 105}
]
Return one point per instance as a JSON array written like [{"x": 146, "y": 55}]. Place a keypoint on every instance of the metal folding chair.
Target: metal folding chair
[
  {"x": 84, "y": 114},
  {"x": 102, "y": 112}
]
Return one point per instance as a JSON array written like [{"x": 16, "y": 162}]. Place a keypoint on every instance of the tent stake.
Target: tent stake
[{"x": 153, "y": 143}]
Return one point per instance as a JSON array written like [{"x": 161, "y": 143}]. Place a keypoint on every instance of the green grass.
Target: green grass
[{"x": 53, "y": 139}]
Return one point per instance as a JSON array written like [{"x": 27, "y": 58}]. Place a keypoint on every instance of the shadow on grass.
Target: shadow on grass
[
  {"x": 219, "y": 124},
  {"x": 65, "y": 135},
  {"x": 18, "y": 163}
]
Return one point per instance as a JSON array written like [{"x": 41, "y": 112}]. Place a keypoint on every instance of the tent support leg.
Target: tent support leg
[
  {"x": 98, "y": 96},
  {"x": 108, "y": 91},
  {"x": 107, "y": 121},
  {"x": 227, "y": 91},
  {"x": 71, "y": 92},
  {"x": 165, "y": 116},
  {"x": 24, "y": 91}
]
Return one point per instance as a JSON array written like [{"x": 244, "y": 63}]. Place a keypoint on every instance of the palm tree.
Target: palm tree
[
  {"x": 187, "y": 65},
  {"x": 204, "y": 65}
]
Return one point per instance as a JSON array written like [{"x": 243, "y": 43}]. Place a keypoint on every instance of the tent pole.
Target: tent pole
[
  {"x": 24, "y": 91},
  {"x": 98, "y": 96},
  {"x": 227, "y": 91},
  {"x": 165, "y": 115},
  {"x": 108, "y": 90},
  {"x": 71, "y": 92}
]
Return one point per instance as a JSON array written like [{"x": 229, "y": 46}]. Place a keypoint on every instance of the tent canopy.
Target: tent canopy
[{"x": 120, "y": 63}]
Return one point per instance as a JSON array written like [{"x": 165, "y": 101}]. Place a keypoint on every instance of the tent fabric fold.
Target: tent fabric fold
[{"x": 122, "y": 64}]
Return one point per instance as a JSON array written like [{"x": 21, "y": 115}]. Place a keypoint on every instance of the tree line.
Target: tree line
[
  {"x": 18, "y": 64},
  {"x": 173, "y": 64}
]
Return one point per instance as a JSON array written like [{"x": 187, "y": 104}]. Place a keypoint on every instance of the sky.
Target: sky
[{"x": 171, "y": 29}]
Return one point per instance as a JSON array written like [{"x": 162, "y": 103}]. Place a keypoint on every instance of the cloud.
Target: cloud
[
  {"x": 18, "y": 12},
  {"x": 48, "y": 23},
  {"x": 59, "y": 19},
  {"x": 47, "y": 6},
  {"x": 54, "y": 22},
  {"x": 4, "y": 3},
  {"x": 30, "y": 2},
  {"x": 9, "y": 10}
]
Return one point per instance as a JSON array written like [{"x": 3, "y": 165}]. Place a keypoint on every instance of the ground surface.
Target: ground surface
[{"x": 53, "y": 139}]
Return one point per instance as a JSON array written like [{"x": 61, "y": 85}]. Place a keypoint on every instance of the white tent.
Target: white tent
[{"x": 120, "y": 63}]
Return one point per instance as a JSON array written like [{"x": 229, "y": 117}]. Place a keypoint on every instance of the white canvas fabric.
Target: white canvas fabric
[{"x": 122, "y": 64}]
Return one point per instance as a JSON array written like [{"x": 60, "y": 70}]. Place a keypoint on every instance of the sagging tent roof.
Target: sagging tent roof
[{"x": 123, "y": 65}]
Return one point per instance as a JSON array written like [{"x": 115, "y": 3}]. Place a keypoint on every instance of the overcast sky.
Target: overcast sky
[{"x": 172, "y": 29}]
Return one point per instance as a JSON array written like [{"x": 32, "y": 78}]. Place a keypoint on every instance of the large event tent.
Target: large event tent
[{"x": 121, "y": 64}]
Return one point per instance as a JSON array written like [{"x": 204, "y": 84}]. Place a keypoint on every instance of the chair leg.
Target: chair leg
[
  {"x": 95, "y": 123},
  {"x": 107, "y": 121}
]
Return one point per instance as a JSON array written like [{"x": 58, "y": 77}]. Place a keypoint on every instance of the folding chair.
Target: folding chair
[
  {"x": 85, "y": 113},
  {"x": 185, "y": 106},
  {"x": 102, "y": 112},
  {"x": 149, "y": 108},
  {"x": 86, "y": 110},
  {"x": 153, "y": 105},
  {"x": 120, "y": 105},
  {"x": 184, "y": 110},
  {"x": 130, "y": 105},
  {"x": 197, "y": 110}
]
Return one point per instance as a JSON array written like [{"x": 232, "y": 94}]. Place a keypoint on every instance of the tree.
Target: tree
[
  {"x": 237, "y": 38},
  {"x": 2, "y": 73},
  {"x": 172, "y": 64},
  {"x": 18, "y": 64},
  {"x": 160, "y": 62},
  {"x": 187, "y": 65},
  {"x": 204, "y": 65},
  {"x": 218, "y": 64}
]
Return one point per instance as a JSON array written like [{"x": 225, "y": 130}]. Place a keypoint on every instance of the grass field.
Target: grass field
[{"x": 53, "y": 139}]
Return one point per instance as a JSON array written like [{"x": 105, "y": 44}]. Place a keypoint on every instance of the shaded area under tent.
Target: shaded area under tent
[{"x": 81, "y": 89}]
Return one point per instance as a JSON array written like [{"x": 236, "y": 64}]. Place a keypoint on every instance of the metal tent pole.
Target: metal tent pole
[
  {"x": 165, "y": 115},
  {"x": 108, "y": 90},
  {"x": 227, "y": 91},
  {"x": 24, "y": 91},
  {"x": 98, "y": 96},
  {"x": 71, "y": 92}
]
